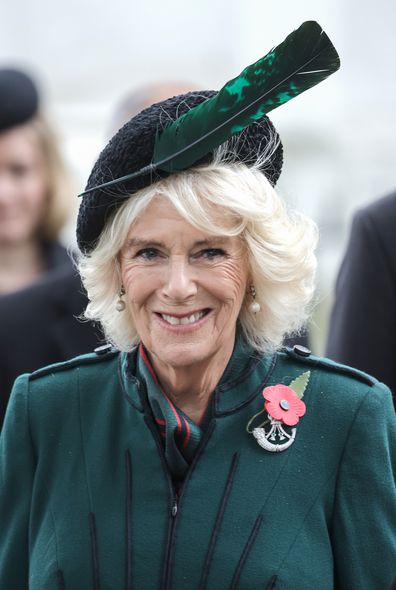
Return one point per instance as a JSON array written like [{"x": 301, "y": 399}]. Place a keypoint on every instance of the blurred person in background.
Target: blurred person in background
[
  {"x": 41, "y": 321},
  {"x": 34, "y": 187},
  {"x": 141, "y": 98},
  {"x": 42, "y": 325},
  {"x": 362, "y": 330}
]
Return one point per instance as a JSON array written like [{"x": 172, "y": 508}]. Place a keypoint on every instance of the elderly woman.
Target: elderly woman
[{"x": 196, "y": 454}]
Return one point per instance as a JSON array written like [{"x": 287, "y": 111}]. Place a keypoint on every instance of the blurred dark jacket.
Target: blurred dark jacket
[
  {"x": 39, "y": 326},
  {"x": 55, "y": 256},
  {"x": 362, "y": 329}
]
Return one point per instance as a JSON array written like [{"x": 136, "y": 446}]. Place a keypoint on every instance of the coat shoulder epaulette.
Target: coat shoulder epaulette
[
  {"x": 100, "y": 354},
  {"x": 303, "y": 355}
]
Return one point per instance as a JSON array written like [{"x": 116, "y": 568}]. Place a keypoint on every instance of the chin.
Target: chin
[
  {"x": 183, "y": 355},
  {"x": 14, "y": 235}
]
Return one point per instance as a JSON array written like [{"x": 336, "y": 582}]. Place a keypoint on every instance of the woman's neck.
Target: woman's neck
[
  {"x": 20, "y": 265},
  {"x": 191, "y": 387}
]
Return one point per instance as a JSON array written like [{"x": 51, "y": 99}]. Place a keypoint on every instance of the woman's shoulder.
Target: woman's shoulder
[
  {"x": 338, "y": 385},
  {"x": 101, "y": 355},
  {"x": 340, "y": 401},
  {"x": 60, "y": 380},
  {"x": 59, "y": 388},
  {"x": 51, "y": 400}
]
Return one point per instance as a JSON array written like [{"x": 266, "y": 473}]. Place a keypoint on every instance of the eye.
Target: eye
[
  {"x": 211, "y": 253},
  {"x": 148, "y": 254}
]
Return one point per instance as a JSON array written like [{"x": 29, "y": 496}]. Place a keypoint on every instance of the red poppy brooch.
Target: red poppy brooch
[{"x": 284, "y": 407}]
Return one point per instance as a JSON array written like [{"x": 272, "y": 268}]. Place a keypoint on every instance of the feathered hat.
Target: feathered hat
[{"x": 184, "y": 131}]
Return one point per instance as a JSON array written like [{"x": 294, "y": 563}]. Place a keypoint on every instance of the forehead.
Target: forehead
[
  {"x": 20, "y": 141},
  {"x": 160, "y": 219}
]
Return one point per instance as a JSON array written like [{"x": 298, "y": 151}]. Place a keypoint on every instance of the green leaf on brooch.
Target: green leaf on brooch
[{"x": 299, "y": 384}]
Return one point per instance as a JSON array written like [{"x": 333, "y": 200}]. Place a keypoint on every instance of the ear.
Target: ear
[{"x": 249, "y": 281}]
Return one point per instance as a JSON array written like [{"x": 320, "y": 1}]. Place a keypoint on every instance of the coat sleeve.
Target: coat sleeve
[
  {"x": 364, "y": 521},
  {"x": 17, "y": 466},
  {"x": 365, "y": 304}
]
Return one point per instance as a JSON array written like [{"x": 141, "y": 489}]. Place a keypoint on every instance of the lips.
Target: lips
[{"x": 183, "y": 320}]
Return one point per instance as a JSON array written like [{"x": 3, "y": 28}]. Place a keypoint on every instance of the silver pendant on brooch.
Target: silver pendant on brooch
[
  {"x": 284, "y": 408},
  {"x": 271, "y": 439}
]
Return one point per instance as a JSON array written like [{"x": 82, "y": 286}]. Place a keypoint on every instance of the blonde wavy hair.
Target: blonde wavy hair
[
  {"x": 59, "y": 190},
  {"x": 280, "y": 246}
]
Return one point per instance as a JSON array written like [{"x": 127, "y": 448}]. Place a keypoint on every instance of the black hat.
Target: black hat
[
  {"x": 19, "y": 99},
  {"x": 131, "y": 149},
  {"x": 184, "y": 131}
]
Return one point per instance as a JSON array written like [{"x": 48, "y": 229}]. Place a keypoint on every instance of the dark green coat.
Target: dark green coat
[{"x": 86, "y": 500}]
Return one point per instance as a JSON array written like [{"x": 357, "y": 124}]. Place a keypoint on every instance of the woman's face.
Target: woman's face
[
  {"x": 22, "y": 185},
  {"x": 184, "y": 287}
]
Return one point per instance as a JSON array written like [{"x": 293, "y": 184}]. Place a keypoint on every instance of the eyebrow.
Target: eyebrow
[{"x": 142, "y": 243}]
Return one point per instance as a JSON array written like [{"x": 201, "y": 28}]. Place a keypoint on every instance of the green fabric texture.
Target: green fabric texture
[{"x": 86, "y": 499}]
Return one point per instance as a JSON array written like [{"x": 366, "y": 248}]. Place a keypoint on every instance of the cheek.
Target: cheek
[
  {"x": 139, "y": 284},
  {"x": 34, "y": 192},
  {"x": 33, "y": 197},
  {"x": 231, "y": 281}
]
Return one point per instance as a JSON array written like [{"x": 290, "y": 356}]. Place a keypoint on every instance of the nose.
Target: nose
[{"x": 180, "y": 283}]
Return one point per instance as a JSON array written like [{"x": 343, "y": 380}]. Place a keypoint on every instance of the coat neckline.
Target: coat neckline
[{"x": 232, "y": 392}]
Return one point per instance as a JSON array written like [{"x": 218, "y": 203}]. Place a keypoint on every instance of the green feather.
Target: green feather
[
  {"x": 300, "y": 383},
  {"x": 304, "y": 59}
]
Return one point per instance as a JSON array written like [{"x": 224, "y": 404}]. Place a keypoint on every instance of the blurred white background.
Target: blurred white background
[{"x": 338, "y": 138}]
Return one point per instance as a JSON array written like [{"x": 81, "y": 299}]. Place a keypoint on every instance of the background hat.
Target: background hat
[
  {"x": 132, "y": 149},
  {"x": 19, "y": 99}
]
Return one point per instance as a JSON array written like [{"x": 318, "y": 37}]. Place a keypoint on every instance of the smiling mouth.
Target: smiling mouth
[{"x": 185, "y": 320}]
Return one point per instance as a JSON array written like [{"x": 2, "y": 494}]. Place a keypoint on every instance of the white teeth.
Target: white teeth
[{"x": 171, "y": 319}]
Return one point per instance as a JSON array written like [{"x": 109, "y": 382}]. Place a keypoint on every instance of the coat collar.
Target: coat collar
[{"x": 245, "y": 375}]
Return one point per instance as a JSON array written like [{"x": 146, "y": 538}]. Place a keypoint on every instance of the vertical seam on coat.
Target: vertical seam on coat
[
  {"x": 28, "y": 420},
  {"x": 272, "y": 583},
  {"x": 83, "y": 443},
  {"x": 167, "y": 549},
  {"x": 55, "y": 535},
  {"x": 218, "y": 521},
  {"x": 34, "y": 453},
  {"x": 51, "y": 513},
  {"x": 52, "y": 516},
  {"x": 128, "y": 517},
  {"x": 291, "y": 545},
  {"x": 91, "y": 515},
  {"x": 94, "y": 551},
  {"x": 246, "y": 551},
  {"x": 61, "y": 580},
  {"x": 357, "y": 412}
]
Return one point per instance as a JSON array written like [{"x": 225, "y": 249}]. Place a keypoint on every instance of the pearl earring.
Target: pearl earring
[
  {"x": 254, "y": 307},
  {"x": 120, "y": 304}
]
